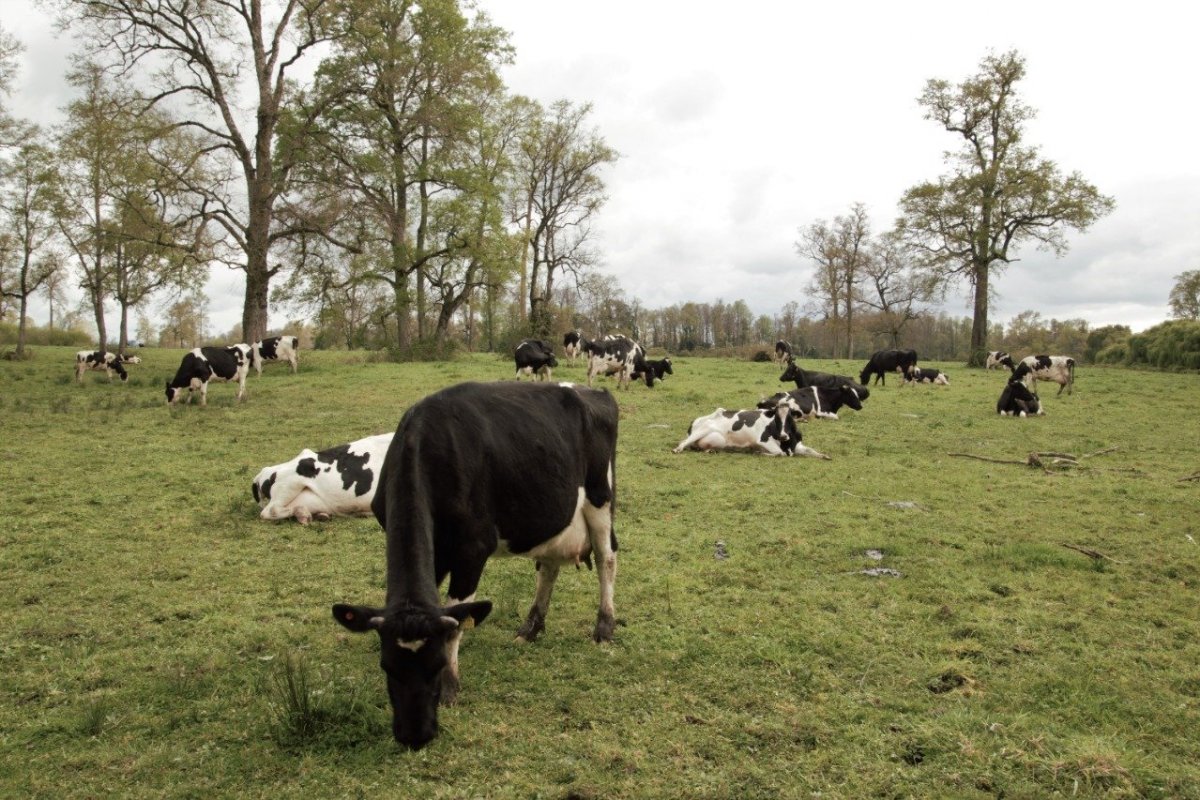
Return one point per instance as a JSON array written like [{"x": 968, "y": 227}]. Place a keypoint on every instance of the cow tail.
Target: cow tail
[{"x": 1071, "y": 371}]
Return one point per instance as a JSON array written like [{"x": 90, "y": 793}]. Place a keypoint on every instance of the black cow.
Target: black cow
[
  {"x": 656, "y": 369},
  {"x": 804, "y": 377},
  {"x": 1017, "y": 401},
  {"x": 535, "y": 357},
  {"x": 276, "y": 348},
  {"x": 816, "y": 401},
  {"x": 100, "y": 361},
  {"x": 884, "y": 361},
  {"x": 203, "y": 364},
  {"x": 783, "y": 351},
  {"x": 476, "y": 470},
  {"x": 620, "y": 356},
  {"x": 574, "y": 343}
]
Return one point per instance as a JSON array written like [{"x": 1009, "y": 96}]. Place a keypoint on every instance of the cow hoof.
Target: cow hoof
[
  {"x": 321, "y": 516},
  {"x": 604, "y": 628}
]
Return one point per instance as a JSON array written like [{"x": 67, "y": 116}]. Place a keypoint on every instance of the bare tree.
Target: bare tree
[
  {"x": 893, "y": 287},
  {"x": 203, "y": 55},
  {"x": 560, "y": 192}
]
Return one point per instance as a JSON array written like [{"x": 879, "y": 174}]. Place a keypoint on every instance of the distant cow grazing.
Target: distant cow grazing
[
  {"x": 783, "y": 351},
  {"x": 1059, "y": 369},
  {"x": 816, "y": 401},
  {"x": 99, "y": 361},
  {"x": 276, "y": 348},
  {"x": 535, "y": 357},
  {"x": 771, "y": 431},
  {"x": 656, "y": 369},
  {"x": 804, "y": 378},
  {"x": 620, "y": 356},
  {"x": 884, "y": 361},
  {"x": 204, "y": 364},
  {"x": 477, "y": 470},
  {"x": 574, "y": 344},
  {"x": 1017, "y": 401},
  {"x": 928, "y": 375},
  {"x": 340, "y": 481},
  {"x": 999, "y": 358}
]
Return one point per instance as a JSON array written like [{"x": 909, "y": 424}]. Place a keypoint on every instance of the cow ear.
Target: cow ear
[
  {"x": 358, "y": 618},
  {"x": 469, "y": 615}
]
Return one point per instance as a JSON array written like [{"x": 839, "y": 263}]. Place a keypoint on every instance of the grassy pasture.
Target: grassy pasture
[{"x": 158, "y": 639}]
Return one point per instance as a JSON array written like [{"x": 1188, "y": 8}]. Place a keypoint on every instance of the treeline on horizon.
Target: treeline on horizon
[{"x": 714, "y": 329}]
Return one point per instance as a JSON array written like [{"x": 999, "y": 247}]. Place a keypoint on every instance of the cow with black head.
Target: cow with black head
[
  {"x": 1017, "y": 401},
  {"x": 476, "y": 470},
  {"x": 825, "y": 380}
]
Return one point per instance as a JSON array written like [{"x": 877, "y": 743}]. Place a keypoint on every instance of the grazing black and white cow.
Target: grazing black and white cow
[
  {"x": 816, "y": 401},
  {"x": 339, "y": 481},
  {"x": 476, "y": 470},
  {"x": 204, "y": 364},
  {"x": 620, "y": 356},
  {"x": 574, "y": 344},
  {"x": 783, "y": 351},
  {"x": 927, "y": 375},
  {"x": 771, "y": 431},
  {"x": 535, "y": 357},
  {"x": 804, "y": 378},
  {"x": 884, "y": 361},
  {"x": 98, "y": 360},
  {"x": 656, "y": 370},
  {"x": 276, "y": 348},
  {"x": 999, "y": 358},
  {"x": 1059, "y": 369},
  {"x": 1017, "y": 401}
]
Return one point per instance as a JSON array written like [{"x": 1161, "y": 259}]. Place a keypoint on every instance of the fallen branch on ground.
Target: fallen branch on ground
[
  {"x": 1195, "y": 477},
  {"x": 1096, "y": 554},
  {"x": 1045, "y": 461}
]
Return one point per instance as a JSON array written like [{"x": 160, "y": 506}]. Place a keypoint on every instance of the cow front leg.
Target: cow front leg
[
  {"x": 535, "y": 623},
  {"x": 461, "y": 590}
]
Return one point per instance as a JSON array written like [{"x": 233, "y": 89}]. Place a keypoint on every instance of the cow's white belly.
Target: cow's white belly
[{"x": 566, "y": 547}]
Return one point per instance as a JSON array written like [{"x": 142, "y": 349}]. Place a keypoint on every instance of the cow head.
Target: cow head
[
  {"x": 783, "y": 427},
  {"x": 173, "y": 393},
  {"x": 413, "y": 657},
  {"x": 666, "y": 365},
  {"x": 792, "y": 372},
  {"x": 850, "y": 397}
]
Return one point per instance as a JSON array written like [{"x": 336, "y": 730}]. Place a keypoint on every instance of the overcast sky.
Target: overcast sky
[{"x": 737, "y": 126}]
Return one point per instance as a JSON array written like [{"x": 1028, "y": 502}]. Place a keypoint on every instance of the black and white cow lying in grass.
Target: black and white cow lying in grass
[
  {"x": 473, "y": 471},
  {"x": 1017, "y": 401},
  {"x": 815, "y": 401},
  {"x": 804, "y": 378},
  {"x": 771, "y": 431},
  {"x": 927, "y": 375},
  {"x": 276, "y": 348},
  {"x": 340, "y": 481},
  {"x": 204, "y": 364},
  {"x": 96, "y": 360},
  {"x": 1059, "y": 369}
]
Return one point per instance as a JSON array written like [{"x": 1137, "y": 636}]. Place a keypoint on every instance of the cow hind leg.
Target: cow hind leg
[
  {"x": 600, "y": 529},
  {"x": 535, "y": 623}
]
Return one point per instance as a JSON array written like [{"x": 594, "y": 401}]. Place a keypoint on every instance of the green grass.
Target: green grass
[{"x": 158, "y": 639}]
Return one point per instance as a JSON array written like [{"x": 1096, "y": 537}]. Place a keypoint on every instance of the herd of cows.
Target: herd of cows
[{"x": 449, "y": 497}]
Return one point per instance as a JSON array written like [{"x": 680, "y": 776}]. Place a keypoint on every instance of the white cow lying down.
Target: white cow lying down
[{"x": 339, "y": 481}]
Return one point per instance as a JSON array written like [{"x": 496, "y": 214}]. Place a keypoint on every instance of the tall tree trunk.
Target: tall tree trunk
[
  {"x": 101, "y": 330},
  {"x": 979, "y": 324},
  {"x": 21, "y": 323},
  {"x": 123, "y": 334}
]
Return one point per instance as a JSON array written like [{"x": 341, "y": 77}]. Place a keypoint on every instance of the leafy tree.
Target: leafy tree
[
  {"x": 28, "y": 194},
  {"x": 1185, "y": 295},
  {"x": 1000, "y": 193},
  {"x": 203, "y": 56},
  {"x": 1104, "y": 337},
  {"x": 402, "y": 88},
  {"x": 185, "y": 321}
]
